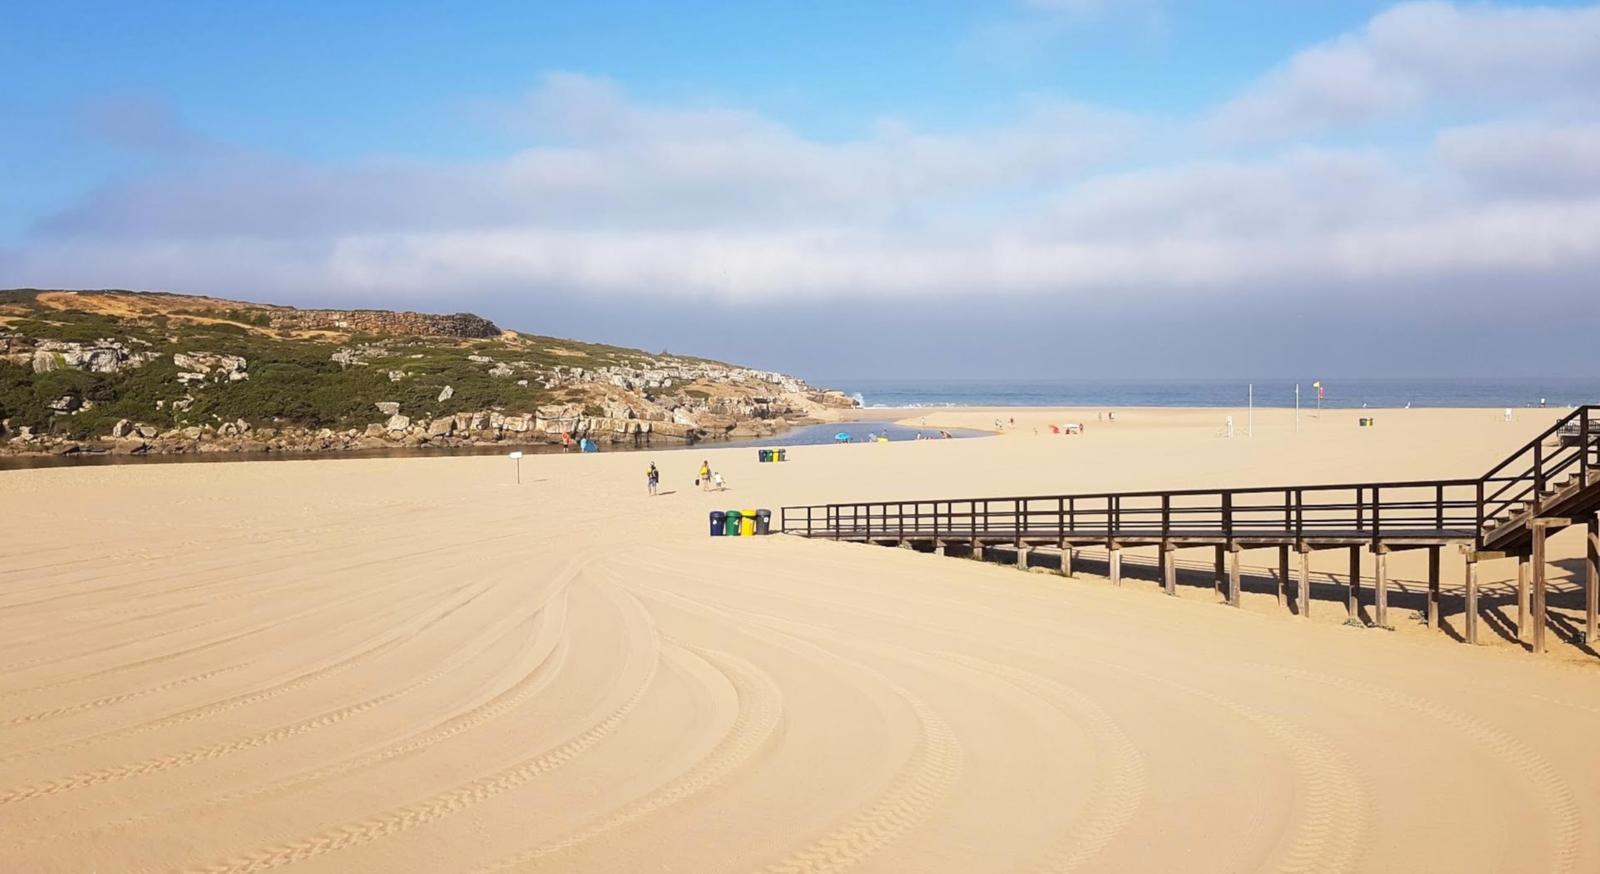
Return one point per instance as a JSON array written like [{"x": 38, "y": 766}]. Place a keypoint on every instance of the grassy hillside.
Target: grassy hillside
[{"x": 293, "y": 377}]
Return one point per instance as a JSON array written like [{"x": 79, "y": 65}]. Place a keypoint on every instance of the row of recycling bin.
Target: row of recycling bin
[
  {"x": 766, "y": 455},
  {"x": 740, "y": 523}
]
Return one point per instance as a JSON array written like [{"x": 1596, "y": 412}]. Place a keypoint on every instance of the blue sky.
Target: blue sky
[{"x": 833, "y": 187}]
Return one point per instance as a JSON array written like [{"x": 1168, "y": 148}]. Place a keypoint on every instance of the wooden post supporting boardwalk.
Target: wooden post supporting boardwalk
[
  {"x": 1380, "y": 609},
  {"x": 1222, "y": 573},
  {"x": 1066, "y": 561},
  {"x": 1114, "y": 556},
  {"x": 1522, "y": 598},
  {"x": 1169, "y": 570},
  {"x": 1233, "y": 576},
  {"x": 1593, "y": 607},
  {"x": 1433, "y": 588},
  {"x": 1355, "y": 583},
  {"x": 1472, "y": 599},
  {"x": 1283, "y": 575},
  {"x": 1305, "y": 582},
  {"x": 1536, "y": 636}
]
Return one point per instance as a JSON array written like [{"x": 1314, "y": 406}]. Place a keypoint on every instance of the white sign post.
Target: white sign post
[{"x": 517, "y": 457}]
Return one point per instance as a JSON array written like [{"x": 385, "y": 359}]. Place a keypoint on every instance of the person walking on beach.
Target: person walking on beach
[
  {"x": 705, "y": 476},
  {"x": 652, "y": 478}
]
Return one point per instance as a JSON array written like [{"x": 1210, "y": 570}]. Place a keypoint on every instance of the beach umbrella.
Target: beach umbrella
[{"x": 842, "y": 436}]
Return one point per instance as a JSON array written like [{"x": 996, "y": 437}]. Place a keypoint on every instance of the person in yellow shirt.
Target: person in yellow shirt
[{"x": 705, "y": 476}]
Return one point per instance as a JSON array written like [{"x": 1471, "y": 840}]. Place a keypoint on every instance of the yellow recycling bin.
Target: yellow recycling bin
[{"x": 747, "y": 524}]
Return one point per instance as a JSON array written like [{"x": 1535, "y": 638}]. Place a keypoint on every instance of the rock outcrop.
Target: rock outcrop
[
  {"x": 383, "y": 322},
  {"x": 102, "y": 356}
]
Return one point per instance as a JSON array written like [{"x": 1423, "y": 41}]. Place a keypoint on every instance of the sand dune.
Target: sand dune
[{"x": 416, "y": 665}]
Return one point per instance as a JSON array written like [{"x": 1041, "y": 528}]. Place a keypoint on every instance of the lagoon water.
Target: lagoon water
[
  {"x": 1347, "y": 394},
  {"x": 804, "y": 435}
]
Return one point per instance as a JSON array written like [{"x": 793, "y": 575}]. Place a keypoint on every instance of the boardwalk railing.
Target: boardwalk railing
[
  {"x": 1416, "y": 512},
  {"x": 1327, "y": 514}
]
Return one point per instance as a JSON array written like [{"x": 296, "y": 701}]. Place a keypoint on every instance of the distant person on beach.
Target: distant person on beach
[
  {"x": 652, "y": 478},
  {"x": 717, "y": 478},
  {"x": 705, "y": 476}
]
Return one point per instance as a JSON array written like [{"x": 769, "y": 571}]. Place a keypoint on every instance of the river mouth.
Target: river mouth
[{"x": 800, "y": 435}]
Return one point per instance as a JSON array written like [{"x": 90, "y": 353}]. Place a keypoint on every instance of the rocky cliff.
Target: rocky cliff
[
  {"x": 136, "y": 373},
  {"x": 399, "y": 324}
]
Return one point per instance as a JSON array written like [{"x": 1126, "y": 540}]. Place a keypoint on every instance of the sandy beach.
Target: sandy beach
[{"x": 420, "y": 665}]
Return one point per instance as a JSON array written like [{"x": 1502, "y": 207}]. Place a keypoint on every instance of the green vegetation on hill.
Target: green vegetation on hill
[{"x": 293, "y": 377}]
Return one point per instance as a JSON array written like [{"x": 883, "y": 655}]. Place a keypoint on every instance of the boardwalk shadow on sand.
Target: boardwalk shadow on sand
[{"x": 1408, "y": 599}]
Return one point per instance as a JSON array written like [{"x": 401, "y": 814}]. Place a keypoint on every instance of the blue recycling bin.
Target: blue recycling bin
[{"x": 718, "y": 523}]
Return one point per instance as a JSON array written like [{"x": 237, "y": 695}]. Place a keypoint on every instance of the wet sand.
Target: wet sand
[{"x": 418, "y": 665}]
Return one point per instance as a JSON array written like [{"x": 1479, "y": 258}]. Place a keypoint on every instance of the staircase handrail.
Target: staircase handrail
[{"x": 1538, "y": 441}]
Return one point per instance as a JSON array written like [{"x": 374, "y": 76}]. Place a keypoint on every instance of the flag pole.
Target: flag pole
[
  {"x": 1250, "y": 423},
  {"x": 1297, "y": 408}
]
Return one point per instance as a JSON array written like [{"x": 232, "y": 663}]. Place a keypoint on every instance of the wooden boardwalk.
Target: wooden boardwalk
[{"x": 1549, "y": 484}]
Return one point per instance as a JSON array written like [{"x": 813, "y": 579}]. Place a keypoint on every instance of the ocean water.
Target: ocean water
[{"x": 1341, "y": 394}]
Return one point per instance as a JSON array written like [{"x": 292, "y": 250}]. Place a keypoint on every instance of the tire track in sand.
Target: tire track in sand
[
  {"x": 548, "y": 661},
  {"x": 318, "y": 609},
  {"x": 117, "y": 699},
  {"x": 236, "y": 578},
  {"x": 760, "y": 714},
  {"x": 919, "y": 786},
  {"x": 1553, "y": 792},
  {"x": 1120, "y": 783},
  {"x": 159, "y": 764},
  {"x": 1334, "y": 810},
  {"x": 272, "y": 691},
  {"x": 453, "y": 801}
]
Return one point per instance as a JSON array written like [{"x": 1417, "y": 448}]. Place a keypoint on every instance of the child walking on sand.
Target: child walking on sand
[{"x": 652, "y": 478}]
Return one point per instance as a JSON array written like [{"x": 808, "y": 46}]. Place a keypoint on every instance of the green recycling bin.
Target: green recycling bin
[{"x": 732, "y": 523}]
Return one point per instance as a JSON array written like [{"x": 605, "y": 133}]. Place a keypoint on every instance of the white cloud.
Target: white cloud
[
  {"x": 613, "y": 196},
  {"x": 1525, "y": 157},
  {"x": 1415, "y": 53}
]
